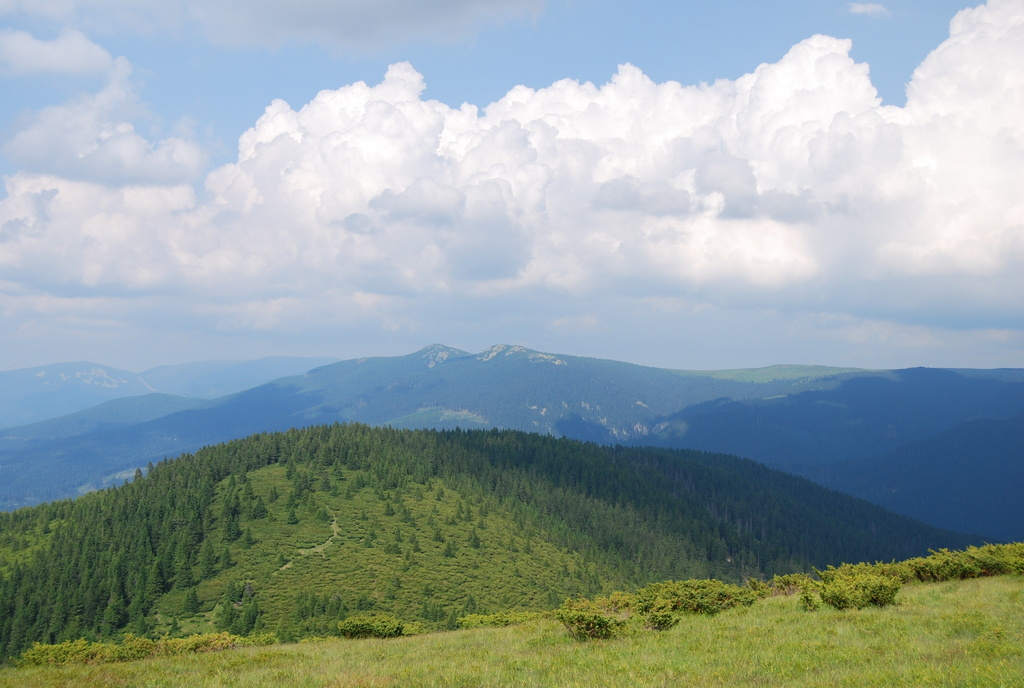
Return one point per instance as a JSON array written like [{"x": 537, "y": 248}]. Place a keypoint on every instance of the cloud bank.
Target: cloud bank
[
  {"x": 789, "y": 189},
  {"x": 70, "y": 53},
  {"x": 350, "y": 24},
  {"x": 93, "y": 138},
  {"x": 872, "y": 9}
]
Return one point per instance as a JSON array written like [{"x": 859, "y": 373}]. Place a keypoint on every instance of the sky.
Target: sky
[{"x": 677, "y": 184}]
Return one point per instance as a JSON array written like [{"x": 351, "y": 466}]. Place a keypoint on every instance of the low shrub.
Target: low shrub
[
  {"x": 974, "y": 562},
  {"x": 759, "y": 587},
  {"x": 809, "y": 597},
  {"x": 497, "y": 620},
  {"x": 203, "y": 642},
  {"x": 898, "y": 570},
  {"x": 788, "y": 583},
  {"x": 618, "y": 601},
  {"x": 78, "y": 651},
  {"x": 130, "y": 648},
  {"x": 706, "y": 596},
  {"x": 661, "y": 618},
  {"x": 371, "y": 626},
  {"x": 658, "y": 606},
  {"x": 133, "y": 647},
  {"x": 586, "y": 620},
  {"x": 856, "y": 591}
]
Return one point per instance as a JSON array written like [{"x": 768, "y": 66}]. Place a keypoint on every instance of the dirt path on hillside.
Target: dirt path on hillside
[{"x": 319, "y": 549}]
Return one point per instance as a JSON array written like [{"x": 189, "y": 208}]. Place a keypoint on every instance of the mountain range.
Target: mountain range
[
  {"x": 28, "y": 395},
  {"x": 944, "y": 446}
]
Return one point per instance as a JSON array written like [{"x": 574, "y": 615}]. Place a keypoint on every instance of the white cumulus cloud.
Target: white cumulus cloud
[
  {"x": 92, "y": 137},
  {"x": 791, "y": 187}
]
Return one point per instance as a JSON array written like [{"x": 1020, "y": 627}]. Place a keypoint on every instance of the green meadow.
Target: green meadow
[{"x": 954, "y": 633}]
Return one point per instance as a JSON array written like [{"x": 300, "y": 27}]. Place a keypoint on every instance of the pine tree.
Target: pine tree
[
  {"x": 207, "y": 560},
  {"x": 226, "y": 614},
  {"x": 184, "y": 578},
  {"x": 259, "y": 509},
  {"x": 191, "y": 603}
]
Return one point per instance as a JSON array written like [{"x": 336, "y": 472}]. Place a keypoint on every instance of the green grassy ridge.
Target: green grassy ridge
[
  {"x": 426, "y": 525},
  {"x": 402, "y": 552},
  {"x": 965, "y": 633},
  {"x": 781, "y": 372}
]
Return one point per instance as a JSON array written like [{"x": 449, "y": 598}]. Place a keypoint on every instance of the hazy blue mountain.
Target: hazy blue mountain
[
  {"x": 437, "y": 387},
  {"x": 943, "y": 446},
  {"x": 29, "y": 395},
  {"x": 514, "y": 387},
  {"x": 110, "y": 415},
  {"x": 968, "y": 479},
  {"x": 212, "y": 379},
  {"x": 861, "y": 417},
  {"x": 799, "y": 418},
  {"x": 32, "y": 394}
]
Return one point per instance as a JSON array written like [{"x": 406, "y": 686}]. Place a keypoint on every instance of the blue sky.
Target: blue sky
[{"x": 688, "y": 185}]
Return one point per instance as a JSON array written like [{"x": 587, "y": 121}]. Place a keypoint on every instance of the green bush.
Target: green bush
[
  {"x": 707, "y": 596},
  {"x": 497, "y": 620},
  {"x": 840, "y": 593},
  {"x": 856, "y": 591},
  {"x": 661, "y": 618},
  {"x": 898, "y": 570},
  {"x": 809, "y": 597},
  {"x": 974, "y": 562},
  {"x": 788, "y": 584},
  {"x": 78, "y": 651},
  {"x": 371, "y": 626},
  {"x": 618, "y": 601},
  {"x": 130, "y": 648},
  {"x": 586, "y": 620},
  {"x": 759, "y": 587},
  {"x": 133, "y": 647}
]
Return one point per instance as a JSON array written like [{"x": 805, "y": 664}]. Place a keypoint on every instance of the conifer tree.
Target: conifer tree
[
  {"x": 191, "y": 603},
  {"x": 207, "y": 560}
]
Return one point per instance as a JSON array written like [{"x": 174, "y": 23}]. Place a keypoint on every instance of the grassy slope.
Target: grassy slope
[
  {"x": 964, "y": 633},
  {"x": 364, "y": 550}
]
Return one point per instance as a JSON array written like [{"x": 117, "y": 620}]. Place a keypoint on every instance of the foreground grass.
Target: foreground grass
[{"x": 963, "y": 633}]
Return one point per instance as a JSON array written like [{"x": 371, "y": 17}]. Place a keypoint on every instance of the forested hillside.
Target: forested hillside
[
  {"x": 969, "y": 478},
  {"x": 291, "y": 531}
]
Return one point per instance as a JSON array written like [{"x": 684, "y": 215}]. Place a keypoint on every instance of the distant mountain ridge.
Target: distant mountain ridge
[
  {"x": 32, "y": 394},
  {"x": 29, "y": 395},
  {"x": 799, "y": 418}
]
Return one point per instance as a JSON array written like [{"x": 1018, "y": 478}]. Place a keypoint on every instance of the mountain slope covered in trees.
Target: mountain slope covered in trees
[{"x": 290, "y": 531}]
